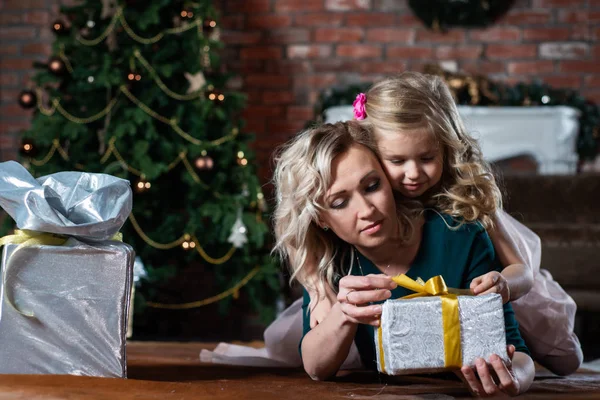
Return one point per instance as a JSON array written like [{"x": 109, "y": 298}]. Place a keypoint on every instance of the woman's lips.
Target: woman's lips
[{"x": 373, "y": 228}]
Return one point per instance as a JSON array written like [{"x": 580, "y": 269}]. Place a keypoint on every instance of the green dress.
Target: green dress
[{"x": 459, "y": 255}]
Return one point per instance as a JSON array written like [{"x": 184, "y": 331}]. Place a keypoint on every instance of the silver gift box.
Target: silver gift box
[
  {"x": 79, "y": 296},
  {"x": 413, "y": 334},
  {"x": 64, "y": 308}
]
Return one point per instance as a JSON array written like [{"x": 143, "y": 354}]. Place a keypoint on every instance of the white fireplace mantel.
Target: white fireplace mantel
[{"x": 547, "y": 133}]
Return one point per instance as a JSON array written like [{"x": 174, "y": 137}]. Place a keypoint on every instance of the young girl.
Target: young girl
[{"x": 428, "y": 155}]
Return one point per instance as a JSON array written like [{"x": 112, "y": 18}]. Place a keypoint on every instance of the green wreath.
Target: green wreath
[{"x": 442, "y": 14}]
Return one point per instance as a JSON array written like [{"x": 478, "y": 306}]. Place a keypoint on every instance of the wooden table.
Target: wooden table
[{"x": 173, "y": 371}]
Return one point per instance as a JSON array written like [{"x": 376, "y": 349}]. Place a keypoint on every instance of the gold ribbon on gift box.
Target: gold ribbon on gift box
[
  {"x": 435, "y": 286},
  {"x": 26, "y": 238}
]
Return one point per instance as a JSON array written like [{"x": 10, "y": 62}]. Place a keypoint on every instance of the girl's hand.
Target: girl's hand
[
  {"x": 493, "y": 379},
  {"x": 492, "y": 282},
  {"x": 356, "y": 292}
]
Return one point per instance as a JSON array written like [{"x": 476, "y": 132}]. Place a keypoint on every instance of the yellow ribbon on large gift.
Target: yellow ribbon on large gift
[
  {"x": 450, "y": 316},
  {"x": 26, "y": 238}
]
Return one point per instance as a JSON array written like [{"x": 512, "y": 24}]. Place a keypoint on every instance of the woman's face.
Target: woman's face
[{"x": 359, "y": 205}]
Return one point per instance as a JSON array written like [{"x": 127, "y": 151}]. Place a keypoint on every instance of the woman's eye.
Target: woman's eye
[
  {"x": 374, "y": 186},
  {"x": 397, "y": 162},
  {"x": 338, "y": 204},
  {"x": 427, "y": 159}
]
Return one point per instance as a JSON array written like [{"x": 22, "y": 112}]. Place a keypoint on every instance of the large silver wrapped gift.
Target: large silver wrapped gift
[
  {"x": 66, "y": 279},
  {"x": 439, "y": 332}
]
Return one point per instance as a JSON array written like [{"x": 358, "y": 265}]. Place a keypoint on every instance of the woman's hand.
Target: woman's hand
[
  {"x": 492, "y": 282},
  {"x": 495, "y": 378},
  {"x": 356, "y": 292}
]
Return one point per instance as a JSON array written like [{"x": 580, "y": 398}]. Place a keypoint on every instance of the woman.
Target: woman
[{"x": 343, "y": 235}]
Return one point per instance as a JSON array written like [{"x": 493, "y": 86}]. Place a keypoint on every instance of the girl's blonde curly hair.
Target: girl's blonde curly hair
[
  {"x": 302, "y": 177},
  {"x": 411, "y": 101}
]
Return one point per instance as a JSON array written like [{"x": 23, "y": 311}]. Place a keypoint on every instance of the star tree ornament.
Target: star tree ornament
[
  {"x": 197, "y": 81},
  {"x": 238, "y": 232}
]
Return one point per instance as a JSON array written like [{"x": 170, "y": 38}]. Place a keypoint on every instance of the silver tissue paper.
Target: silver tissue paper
[
  {"x": 78, "y": 293},
  {"x": 413, "y": 334}
]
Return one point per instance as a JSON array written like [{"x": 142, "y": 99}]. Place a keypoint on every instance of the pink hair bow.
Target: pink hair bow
[{"x": 359, "y": 107}]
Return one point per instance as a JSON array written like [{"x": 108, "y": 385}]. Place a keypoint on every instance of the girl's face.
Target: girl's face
[
  {"x": 359, "y": 205},
  {"x": 413, "y": 160}
]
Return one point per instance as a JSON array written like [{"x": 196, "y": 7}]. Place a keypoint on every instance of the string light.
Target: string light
[
  {"x": 65, "y": 60},
  {"x": 120, "y": 18},
  {"x": 241, "y": 159},
  {"x": 160, "y": 83},
  {"x": 142, "y": 185},
  {"x": 55, "y": 147},
  {"x": 188, "y": 245},
  {"x": 112, "y": 150},
  {"x": 204, "y": 162},
  {"x": 132, "y": 77},
  {"x": 184, "y": 238},
  {"x": 172, "y": 122},
  {"x": 233, "y": 291}
]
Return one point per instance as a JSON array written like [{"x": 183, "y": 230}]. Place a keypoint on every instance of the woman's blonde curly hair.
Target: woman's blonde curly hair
[
  {"x": 412, "y": 101},
  {"x": 302, "y": 177}
]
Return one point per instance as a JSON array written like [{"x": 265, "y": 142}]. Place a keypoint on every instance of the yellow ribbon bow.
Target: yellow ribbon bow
[
  {"x": 26, "y": 238},
  {"x": 435, "y": 286}
]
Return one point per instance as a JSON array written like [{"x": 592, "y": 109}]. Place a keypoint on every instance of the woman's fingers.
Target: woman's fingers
[
  {"x": 508, "y": 383},
  {"x": 368, "y": 282},
  {"x": 471, "y": 378},
  {"x": 367, "y": 312},
  {"x": 366, "y": 296},
  {"x": 483, "y": 370},
  {"x": 510, "y": 349}
]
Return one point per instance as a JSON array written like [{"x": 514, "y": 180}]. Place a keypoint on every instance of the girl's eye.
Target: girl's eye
[
  {"x": 397, "y": 162},
  {"x": 339, "y": 203},
  {"x": 374, "y": 186},
  {"x": 427, "y": 159}
]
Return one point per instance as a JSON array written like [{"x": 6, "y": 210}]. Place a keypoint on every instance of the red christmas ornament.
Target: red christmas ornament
[
  {"x": 27, "y": 99},
  {"x": 59, "y": 27},
  {"x": 56, "y": 66}
]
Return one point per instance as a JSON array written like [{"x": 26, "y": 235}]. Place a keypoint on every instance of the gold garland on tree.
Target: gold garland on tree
[{"x": 186, "y": 240}]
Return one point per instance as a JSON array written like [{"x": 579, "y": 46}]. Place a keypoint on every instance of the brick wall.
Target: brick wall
[{"x": 287, "y": 51}]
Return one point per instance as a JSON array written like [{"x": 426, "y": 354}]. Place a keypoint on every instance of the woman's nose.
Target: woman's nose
[{"x": 365, "y": 207}]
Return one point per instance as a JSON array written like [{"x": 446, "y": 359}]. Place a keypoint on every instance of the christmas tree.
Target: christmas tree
[{"x": 136, "y": 90}]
